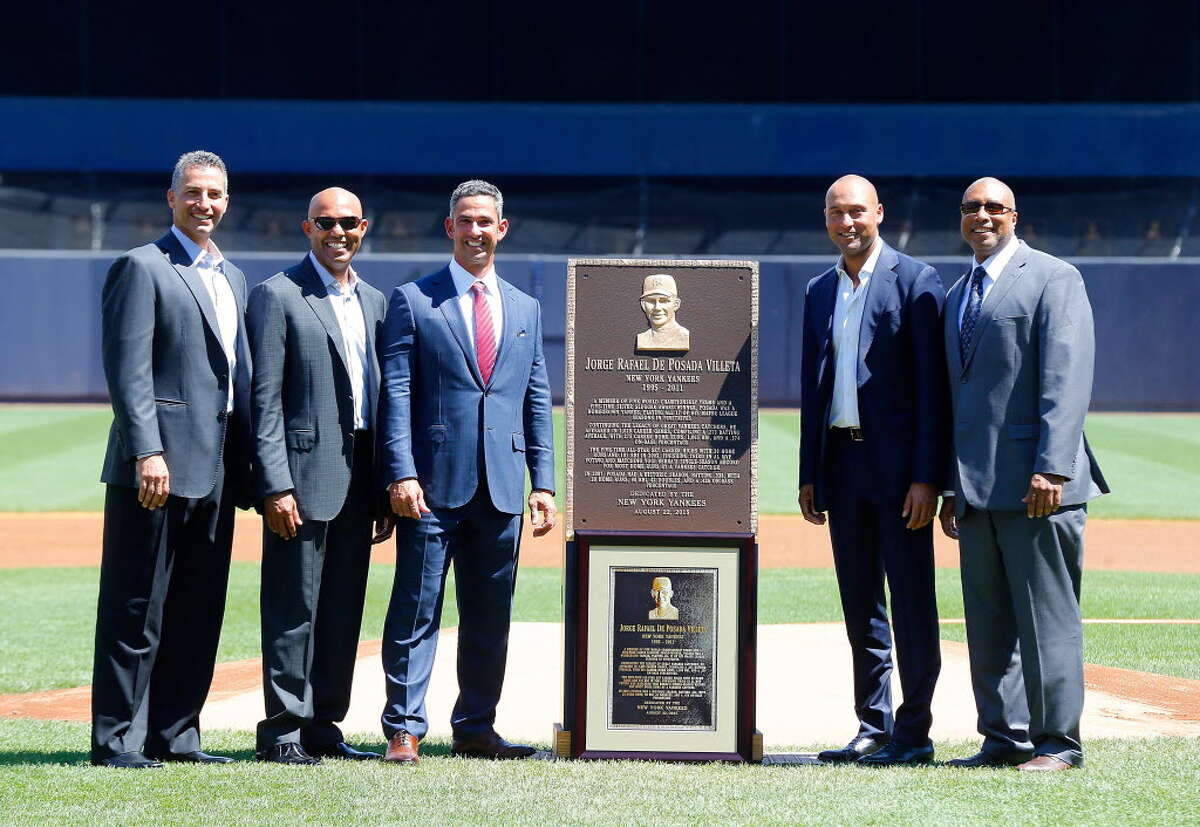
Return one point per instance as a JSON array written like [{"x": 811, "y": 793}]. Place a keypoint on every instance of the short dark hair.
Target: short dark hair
[
  {"x": 468, "y": 189},
  {"x": 197, "y": 158}
]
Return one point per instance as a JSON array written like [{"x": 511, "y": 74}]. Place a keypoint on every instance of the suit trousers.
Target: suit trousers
[
  {"x": 311, "y": 604},
  {"x": 482, "y": 544},
  {"x": 1020, "y": 581},
  {"x": 871, "y": 545},
  {"x": 163, "y": 579}
]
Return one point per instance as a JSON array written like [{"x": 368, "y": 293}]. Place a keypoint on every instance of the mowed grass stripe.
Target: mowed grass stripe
[{"x": 47, "y": 628}]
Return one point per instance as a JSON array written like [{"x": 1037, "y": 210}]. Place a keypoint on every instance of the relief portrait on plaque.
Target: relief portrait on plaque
[
  {"x": 660, "y": 302},
  {"x": 660, "y": 590}
]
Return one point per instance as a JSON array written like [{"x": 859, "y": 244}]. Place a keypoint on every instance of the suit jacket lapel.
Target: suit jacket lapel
[
  {"x": 314, "y": 292},
  {"x": 170, "y": 245},
  {"x": 508, "y": 325},
  {"x": 950, "y": 309},
  {"x": 826, "y": 296},
  {"x": 878, "y": 290},
  {"x": 447, "y": 299},
  {"x": 370, "y": 319},
  {"x": 987, "y": 311}
]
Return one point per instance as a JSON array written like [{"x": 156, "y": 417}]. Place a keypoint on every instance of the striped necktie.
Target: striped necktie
[
  {"x": 971, "y": 315},
  {"x": 485, "y": 333}
]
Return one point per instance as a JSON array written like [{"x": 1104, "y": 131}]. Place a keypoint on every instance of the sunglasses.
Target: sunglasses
[
  {"x": 347, "y": 222},
  {"x": 989, "y": 207}
]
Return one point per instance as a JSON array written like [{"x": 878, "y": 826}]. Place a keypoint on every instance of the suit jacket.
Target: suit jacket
[
  {"x": 1021, "y": 395},
  {"x": 901, "y": 380},
  {"x": 167, "y": 373},
  {"x": 302, "y": 405},
  {"x": 439, "y": 419}
]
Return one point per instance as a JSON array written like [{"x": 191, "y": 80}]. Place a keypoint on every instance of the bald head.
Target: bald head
[
  {"x": 335, "y": 247},
  {"x": 852, "y": 217},
  {"x": 989, "y": 216},
  {"x": 853, "y": 188},
  {"x": 342, "y": 201}
]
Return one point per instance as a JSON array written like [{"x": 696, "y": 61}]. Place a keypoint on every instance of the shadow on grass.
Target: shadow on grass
[{"x": 35, "y": 756}]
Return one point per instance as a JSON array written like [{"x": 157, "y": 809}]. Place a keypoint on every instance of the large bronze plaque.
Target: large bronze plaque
[{"x": 662, "y": 389}]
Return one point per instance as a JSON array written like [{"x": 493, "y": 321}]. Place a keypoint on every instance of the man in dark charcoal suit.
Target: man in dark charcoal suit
[
  {"x": 1020, "y": 347},
  {"x": 873, "y": 448},
  {"x": 314, "y": 398},
  {"x": 465, "y": 410},
  {"x": 178, "y": 369}
]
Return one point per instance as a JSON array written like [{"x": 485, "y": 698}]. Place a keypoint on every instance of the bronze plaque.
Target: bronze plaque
[
  {"x": 662, "y": 388},
  {"x": 664, "y": 648}
]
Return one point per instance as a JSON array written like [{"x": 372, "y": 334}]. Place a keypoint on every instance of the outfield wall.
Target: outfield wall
[{"x": 1147, "y": 335}]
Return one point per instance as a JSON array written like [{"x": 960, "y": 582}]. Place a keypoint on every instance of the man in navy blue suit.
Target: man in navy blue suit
[
  {"x": 873, "y": 448},
  {"x": 465, "y": 409}
]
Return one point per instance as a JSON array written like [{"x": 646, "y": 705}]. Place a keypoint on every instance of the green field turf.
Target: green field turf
[
  {"x": 1124, "y": 782},
  {"x": 46, "y": 631},
  {"x": 50, "y": 460}
]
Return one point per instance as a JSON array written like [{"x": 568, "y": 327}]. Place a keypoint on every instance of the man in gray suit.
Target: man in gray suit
[
  {"x": 177, "y": 365},
  {"x": 315, "y": 392},
  {"x": 1020, "y": 349}
]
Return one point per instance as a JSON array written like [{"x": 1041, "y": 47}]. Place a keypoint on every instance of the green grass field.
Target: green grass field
[
  {"x": 48, "y": 643},
  {"x": 1125, "y": 782},
  {"x": 50, "y": 460}
]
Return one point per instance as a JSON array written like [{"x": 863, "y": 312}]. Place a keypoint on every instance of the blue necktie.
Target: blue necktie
[{"x": 971, "y": 315}]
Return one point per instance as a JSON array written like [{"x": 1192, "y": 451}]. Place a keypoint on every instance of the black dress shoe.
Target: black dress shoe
[
  {"x": 343, "y": 751},
  {"x": 194, "y": 757},
  {"x": 897, "y": 754},
  {"x": 857, "y": 748},
  {"x": 127, "y": 761},
  {"x": 488, "y": 745},
  {"x": 983, "y": 758},
  {"x": 289, "y": 753}
]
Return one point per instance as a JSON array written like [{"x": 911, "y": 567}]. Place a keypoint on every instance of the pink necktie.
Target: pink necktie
[{"x": 485, "y": 333}]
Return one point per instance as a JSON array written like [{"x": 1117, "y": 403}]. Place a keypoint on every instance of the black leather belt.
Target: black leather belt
[{"x": 852, "y": 434}]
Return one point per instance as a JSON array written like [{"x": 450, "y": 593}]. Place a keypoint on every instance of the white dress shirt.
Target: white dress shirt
[
  {"x": 466, "y": 299},
  {"x": 348, "y": 309},
  {"x": 993, "y": 266},
  {"x": 847, "y": 322},
  {"x": 208, "y": 264}
]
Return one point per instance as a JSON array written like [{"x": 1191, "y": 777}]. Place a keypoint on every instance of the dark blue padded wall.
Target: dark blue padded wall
[{"x": 1147, "y": 337}]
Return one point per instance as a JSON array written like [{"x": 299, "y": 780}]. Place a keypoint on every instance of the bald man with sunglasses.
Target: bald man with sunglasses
[{"x": 1020, "y": 348}]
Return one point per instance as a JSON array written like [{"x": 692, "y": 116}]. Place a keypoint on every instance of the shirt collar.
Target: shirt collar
[
  {"x": 331, "y": 284},
  {"x": 194, "y": 250},
  {"x": 997, "y": 261},
  {"x": 868, "y": 269},
  {"x": 463, "y": 280}
]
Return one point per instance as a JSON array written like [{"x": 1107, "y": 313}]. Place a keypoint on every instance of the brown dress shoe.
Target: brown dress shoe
[
  {"x": 489, "y": 745},
  {"x": 403, "y": 748},
  {"x": 1044, "y": 763}
]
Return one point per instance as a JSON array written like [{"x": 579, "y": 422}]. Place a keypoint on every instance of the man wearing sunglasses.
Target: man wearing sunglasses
[
  {"x": 1020, "y": 348},
  {"x": 178, "y": 370},
  {"x": 465, "y": 410},
  {"x": 314, "y": 399},
  {"x": 873, "y": 448}
]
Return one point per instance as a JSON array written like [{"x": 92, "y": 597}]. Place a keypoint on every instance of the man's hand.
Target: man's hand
[
  {"x": 541, "y": 512},
  {"x": 1044, "y": 495},
  {"x": 807, "y": 497},
  {"x": 154, "y": 481},
  {"x": 407, "y": 499},
  {"x": 947, "y": 519},
  {"x": 919, "y": 505},
  {"x": 282, "y": 514},
  {"x": 384, "y": 526}
]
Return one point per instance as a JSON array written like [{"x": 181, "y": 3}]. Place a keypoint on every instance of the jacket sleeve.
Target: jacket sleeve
[
  {"x": 810, "y": 407},
  {"x": 397, "y": 362},
  {"x": 538, "y": 419},
  {"x": 933, "y": 424},
  {"x": 1066, "y": 360},
  {"x": 127, "y": 319},
  {"x": 267, "y": 329}
]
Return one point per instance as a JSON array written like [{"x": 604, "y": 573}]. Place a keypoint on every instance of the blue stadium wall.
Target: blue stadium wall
[{"x": 1147, "y": 338}]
